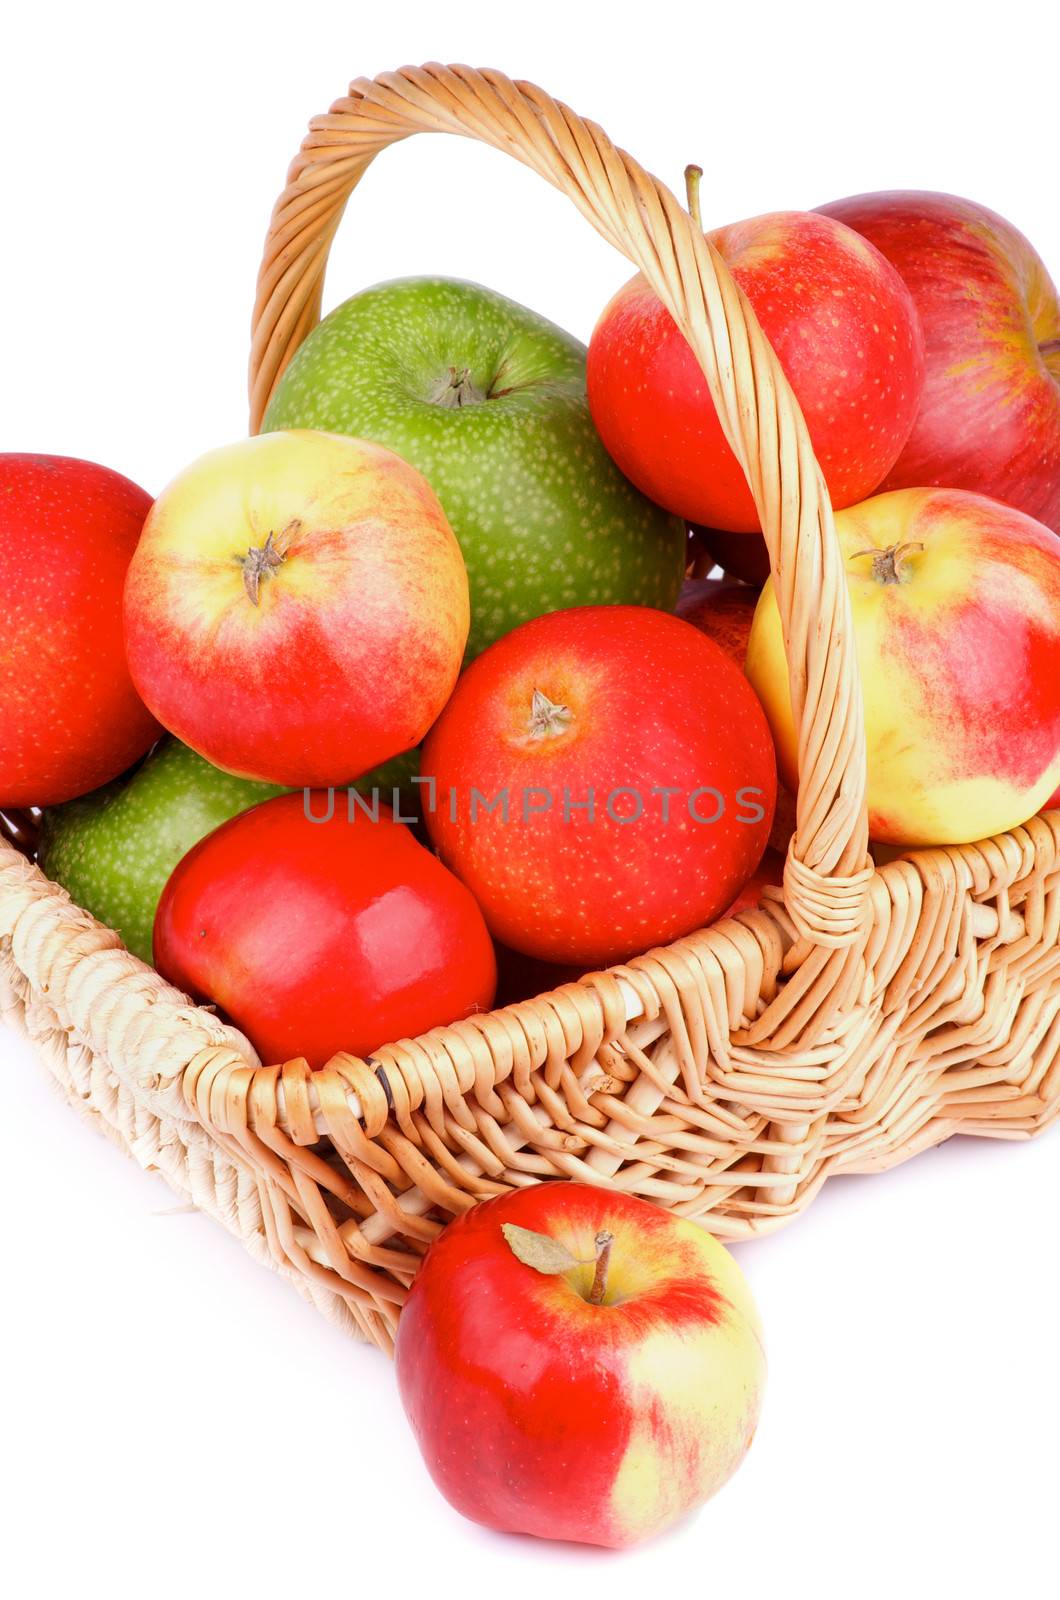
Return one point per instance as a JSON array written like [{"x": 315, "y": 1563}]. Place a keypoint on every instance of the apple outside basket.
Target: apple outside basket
[{"x": 853, "y": 1019}]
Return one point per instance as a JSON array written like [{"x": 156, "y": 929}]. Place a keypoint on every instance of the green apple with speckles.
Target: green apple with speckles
[
  {"x": 113, "y": 849},
  {"x": 488, "y": 400}
]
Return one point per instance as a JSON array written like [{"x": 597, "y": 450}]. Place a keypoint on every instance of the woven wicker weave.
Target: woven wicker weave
[{"x": 855, "y": 1019}]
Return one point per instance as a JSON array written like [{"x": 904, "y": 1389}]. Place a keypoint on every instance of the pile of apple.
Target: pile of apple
[{"x": 431, "y": 679}]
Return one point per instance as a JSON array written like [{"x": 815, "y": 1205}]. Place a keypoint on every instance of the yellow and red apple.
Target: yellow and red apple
[
  {"x": 989, "y": 418},
  {"x": 595, "y": 1395},
  {"x": 297, "y": 608},
  {"x": 845, "y": 328},
  {"x": 956, "y": 609}
]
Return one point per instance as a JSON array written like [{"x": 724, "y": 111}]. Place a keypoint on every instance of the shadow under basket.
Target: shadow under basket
[{"x": 856, "y": 1017}]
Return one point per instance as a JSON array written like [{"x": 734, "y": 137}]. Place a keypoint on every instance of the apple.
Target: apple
[
  {"x": 70, "y": 718},
  {"x": 722, "y": 610},
  {"x": 956, "y": 611},
  {"x": 297, "y": 608},
  {"x": 847, "y": 334},
  {"x": 989, "y": 417},
  {"x": 604, "y": 782},
  {"x": 769, "y": 874},
  {"x": 739, "y": 555},
  {"x": 114, "y": 849},
  {"x": 578, "y": 1364},
  {"x": 317, "y": 923},
  {"x": 487, "y": 399}
]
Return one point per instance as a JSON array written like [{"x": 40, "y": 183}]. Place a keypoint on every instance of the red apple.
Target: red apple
[
  {"x": 597, "y": 1396},
  {"x": 318, "y": 926},
  {"x": 769, "y": 874},
  {"x": 989, "y": 417},
  {"x": 70, "y": 718},
  {"x": 722, "y": 610},
  {"x": 955, "y": 601},
  {"x": 847, "y": 334},
  {"x": 739, "y": 555},
  {"x": 297, "y": 608},
  {"x": 605, "y": 783}
]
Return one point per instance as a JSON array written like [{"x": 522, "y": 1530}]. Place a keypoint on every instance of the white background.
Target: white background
[{"x": 177, "y": 1421}]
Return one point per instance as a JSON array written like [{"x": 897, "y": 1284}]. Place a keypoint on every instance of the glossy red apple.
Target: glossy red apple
[
  {"x": 597, "y": 1396},
  {"x": 847, "y": 334},
  {"x": 70, "y": 718},
  {"x": 316, "y": 928},
  {"x": 989, "y": 417}
]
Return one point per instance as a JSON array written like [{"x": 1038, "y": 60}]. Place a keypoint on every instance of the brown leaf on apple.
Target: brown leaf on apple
[{"x": 538, "y": 1250}]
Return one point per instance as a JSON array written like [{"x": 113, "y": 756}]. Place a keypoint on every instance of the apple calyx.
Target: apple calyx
[
  {"x": 456, "y": 390},
  {"x": 888, "y": 566},
  {"x": 551, "y": 1258},
  {"x": 261, "y": 561},
  {"x": 548, "y": 718}
]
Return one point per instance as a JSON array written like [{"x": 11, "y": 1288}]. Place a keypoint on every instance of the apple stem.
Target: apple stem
[
  {"x": 887, "y": 565},
  {"x": 1051, "y": 347},
  {"x": 455, "y": 390},
  {"x": 547, "y": 717},
  {"x": 603, "y": 1242},
  {"x": 693, "y": 177}
]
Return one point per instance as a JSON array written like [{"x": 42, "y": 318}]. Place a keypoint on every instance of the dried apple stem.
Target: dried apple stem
[
  {"x": 693, "y": 177},
  {"x": 887, "y": 565},
  {"x": 603, "y": 1241}
]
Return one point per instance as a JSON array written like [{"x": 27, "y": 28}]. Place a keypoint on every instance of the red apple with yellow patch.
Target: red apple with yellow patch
[
  {"x": 297, "y": 608},
  {"x": 989, "y": 417},
  {"x": 578, "y": 1364},
  {"x": 956, "y": 609},
  {"x": 847, "y": 334}
]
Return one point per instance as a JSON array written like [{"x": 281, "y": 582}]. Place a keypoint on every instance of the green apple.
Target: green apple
[
  {"x": 113, "y": 849},
  {"x": 488, "y": 400}
]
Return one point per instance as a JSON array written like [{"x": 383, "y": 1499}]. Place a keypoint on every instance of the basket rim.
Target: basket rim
[{"x": 608, "y": 1000}]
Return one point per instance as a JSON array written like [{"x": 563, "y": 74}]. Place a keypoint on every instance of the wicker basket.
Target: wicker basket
[{"x": 849, "y": 1022}]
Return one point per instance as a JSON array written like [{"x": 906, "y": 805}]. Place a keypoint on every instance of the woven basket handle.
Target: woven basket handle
[{"x": 826, "y": 881}]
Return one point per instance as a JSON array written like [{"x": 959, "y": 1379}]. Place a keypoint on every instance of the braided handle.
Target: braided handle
[{"x": 827, "y": 876}]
